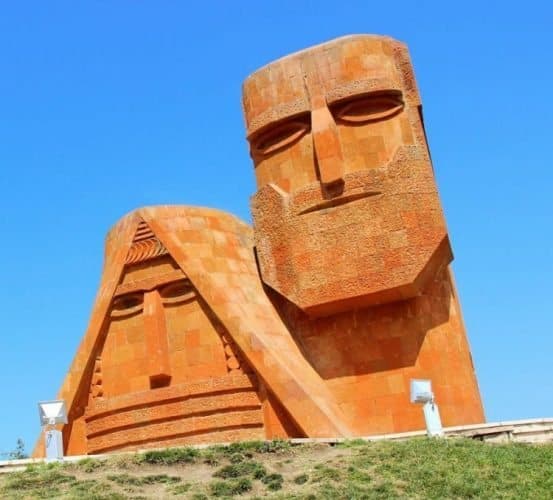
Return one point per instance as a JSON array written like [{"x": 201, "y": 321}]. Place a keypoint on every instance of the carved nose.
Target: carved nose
[
  {"x": 327, "y": 146},
  {"x": 155, "y": 330}
]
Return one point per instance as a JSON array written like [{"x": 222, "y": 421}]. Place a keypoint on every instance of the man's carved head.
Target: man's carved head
[{"x": 347, "y": 212}]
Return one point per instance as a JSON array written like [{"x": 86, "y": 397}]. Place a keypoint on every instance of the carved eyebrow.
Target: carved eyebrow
[
  {"x": 146, "y": 284},
  {"x": 364, "y": 86},
  {"x": 277, "y": 113}
]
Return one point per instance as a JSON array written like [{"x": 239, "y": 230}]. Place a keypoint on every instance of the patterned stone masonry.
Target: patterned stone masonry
[
  {"x": 313, "y": 323},
  {"x": 199, "y": 411},
  {"x": 96, "y": 391},
  {"x": 175, "y": 363},
  {"x": 145, "y": 245},
  {"x": 235, "y": 360},
  {"x": 350, "y": 235}
]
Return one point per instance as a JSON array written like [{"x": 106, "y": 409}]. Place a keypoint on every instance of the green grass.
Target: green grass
[
  {"x": 301, "y": 479},
  {"x": 92, "y": 490},
  {"x": 249, "y": 447},
  {"x": 36, "y": 480},
  {"x": 230, "y": 488},
  {"x": 440, "y": 469},
  {"x": 90, "y": 465},
  {"x": 418, "y": 468},
  {"x": 170, "y": 456},
  {"x": 180, "y": 489},
  {"x": 250, "y": 468},
  {"x": 130, "y": 480},
  {"x": 273, "y": 481}
]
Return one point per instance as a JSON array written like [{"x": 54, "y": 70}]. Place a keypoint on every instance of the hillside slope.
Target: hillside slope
[{"x": 417, "y": 468}]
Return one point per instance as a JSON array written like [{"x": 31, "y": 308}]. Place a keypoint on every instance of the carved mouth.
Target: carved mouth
[{"x": 335, "y": 202}]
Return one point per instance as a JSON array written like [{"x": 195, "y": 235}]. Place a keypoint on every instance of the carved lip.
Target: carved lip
[{"x": 335, "y": 202}]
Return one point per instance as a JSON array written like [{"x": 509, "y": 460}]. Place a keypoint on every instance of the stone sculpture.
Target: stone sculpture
[
  {"x": 349, "y": 232},
  {"x": 312, "y": 324}
]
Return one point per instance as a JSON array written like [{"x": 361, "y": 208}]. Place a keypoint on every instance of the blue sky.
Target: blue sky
[{"x": 108, "y": 106}]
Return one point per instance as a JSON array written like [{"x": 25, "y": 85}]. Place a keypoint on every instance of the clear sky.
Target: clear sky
[{"x": 106, "y": 106}]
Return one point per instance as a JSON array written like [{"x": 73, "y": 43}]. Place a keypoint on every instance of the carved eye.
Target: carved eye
[
  {"x": 279, "y": 136},
  {"x": 368, "y": 108},
  {"x": 127, "y": 304},
  {"x": 177, "y": 292}
]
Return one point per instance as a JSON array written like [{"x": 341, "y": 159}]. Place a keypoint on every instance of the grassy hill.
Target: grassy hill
[{"x": 418, "y": 468}]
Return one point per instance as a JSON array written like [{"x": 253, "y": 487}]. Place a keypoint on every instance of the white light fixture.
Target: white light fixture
[
  {"x": 421, "y": 393},
  {"x": 52, "y": 413}
]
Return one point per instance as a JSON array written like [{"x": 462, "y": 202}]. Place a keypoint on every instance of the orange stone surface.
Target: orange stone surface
[
  {"x": 313, "y": 323},
  {"x": 350, "y": 235}
]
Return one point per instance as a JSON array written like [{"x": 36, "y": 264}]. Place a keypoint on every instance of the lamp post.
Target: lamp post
[
  {"x": 52, "y": 413},
  {"x": 421, "y": 393}
]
